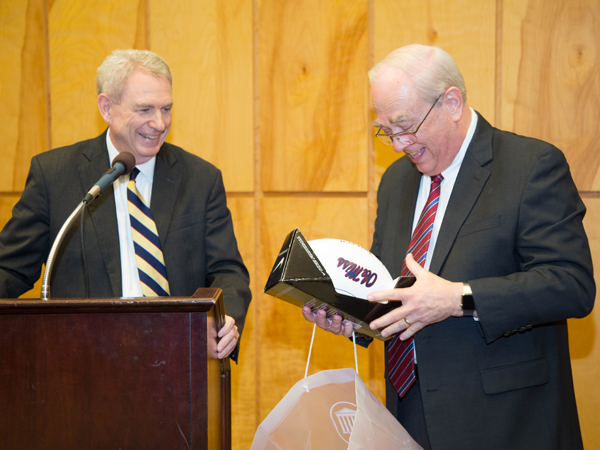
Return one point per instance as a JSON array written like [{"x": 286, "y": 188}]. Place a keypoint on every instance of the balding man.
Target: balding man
[{"x": 490, "y": 224}]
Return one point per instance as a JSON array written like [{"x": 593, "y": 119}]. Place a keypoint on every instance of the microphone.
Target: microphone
[{"x": 123, "y": 164}]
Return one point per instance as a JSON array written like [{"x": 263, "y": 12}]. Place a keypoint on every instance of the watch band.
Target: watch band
[{"x": 467, "y": 302}]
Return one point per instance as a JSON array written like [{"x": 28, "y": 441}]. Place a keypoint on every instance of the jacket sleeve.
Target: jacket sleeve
[
  {"x": 24, "y": 241},
  {"x": 555, "y": 281},
  {"x": 224, "y": 265}
]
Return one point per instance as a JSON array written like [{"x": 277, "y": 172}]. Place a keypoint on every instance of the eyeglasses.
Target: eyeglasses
[{"x": 404, "y": 137}]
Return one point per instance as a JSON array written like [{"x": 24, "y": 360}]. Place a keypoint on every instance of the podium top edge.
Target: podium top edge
[{"x": 197, "y": 303}]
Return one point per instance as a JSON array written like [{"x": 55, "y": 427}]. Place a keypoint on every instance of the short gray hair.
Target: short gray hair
[
  {"x": 431, "y": 69},
  {"x": 116, "y": 69}
]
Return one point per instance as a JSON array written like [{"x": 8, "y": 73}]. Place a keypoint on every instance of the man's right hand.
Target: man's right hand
[{"x": 333, "y": 325}]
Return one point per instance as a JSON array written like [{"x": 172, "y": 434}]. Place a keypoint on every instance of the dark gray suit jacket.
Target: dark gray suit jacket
[
  {"x": 513, "y": 230},
  {"x": 188, "y": 206}
]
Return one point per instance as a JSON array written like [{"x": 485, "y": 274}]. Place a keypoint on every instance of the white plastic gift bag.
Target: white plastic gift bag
[{"x": 331, "y": 410}]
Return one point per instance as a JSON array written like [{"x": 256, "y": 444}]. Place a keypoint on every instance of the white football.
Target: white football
[{"x": 354, "y": 270}]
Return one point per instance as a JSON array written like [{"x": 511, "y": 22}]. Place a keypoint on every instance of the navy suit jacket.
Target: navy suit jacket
[
  {"x": 188, "y": 205},
  {"x": 513, "y": 230}
]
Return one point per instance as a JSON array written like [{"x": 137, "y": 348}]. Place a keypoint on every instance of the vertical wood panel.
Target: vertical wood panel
[
  {"x": 284, "y": 335},
  {"x": 243, "y": 380},
  {"x": 82, "y": 35},
  {"x": 584, "y": 343},
  {"x": 24, "y": 116},
  {"x": 208, "y": 45},
  {"x": 312, "y": 97},
  {"x": 466, "y": 29},
  {"x": 551, "y": 88}
]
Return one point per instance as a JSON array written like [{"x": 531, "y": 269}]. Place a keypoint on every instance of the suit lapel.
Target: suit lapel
[
  {"x": 165, "y": 189},
  {"x": 102, "y": 211},
  {"x": 468, "y": 186}
]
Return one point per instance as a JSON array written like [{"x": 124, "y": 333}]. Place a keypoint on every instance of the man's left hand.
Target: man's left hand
[
  {"x": 229, "y": 337},
  {"x": 430, "y": 300}
]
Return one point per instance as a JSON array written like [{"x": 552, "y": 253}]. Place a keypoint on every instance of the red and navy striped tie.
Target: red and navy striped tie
[
  {"x": 148, "y": 253},
  {"x": 401, "y": 354}
]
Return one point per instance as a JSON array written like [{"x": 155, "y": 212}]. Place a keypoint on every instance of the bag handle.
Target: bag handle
[{"x": 312, "y": 339}]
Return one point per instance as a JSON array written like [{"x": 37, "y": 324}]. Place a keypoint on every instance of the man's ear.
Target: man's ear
[
  {"x": 105, "y": 105},
  {"x": 454, "y": 102}
]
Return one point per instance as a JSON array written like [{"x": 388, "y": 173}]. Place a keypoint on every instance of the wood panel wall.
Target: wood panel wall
[{"x": 275, "y": 94}]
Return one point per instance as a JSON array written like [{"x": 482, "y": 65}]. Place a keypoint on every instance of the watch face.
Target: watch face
[{"x": 467, "y": 303}]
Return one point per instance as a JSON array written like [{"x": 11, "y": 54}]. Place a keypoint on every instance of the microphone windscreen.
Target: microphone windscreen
[{"x": 127, "y": 159}]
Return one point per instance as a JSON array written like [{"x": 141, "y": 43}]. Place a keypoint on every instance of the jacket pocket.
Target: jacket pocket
[
  {"x": 186, "y": 221},
  {"x": 480, "y": 225},
  {"x": 516, "y": 376}
]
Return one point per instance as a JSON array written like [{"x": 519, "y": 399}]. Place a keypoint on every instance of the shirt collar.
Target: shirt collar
[{"x": 452, "y": 171}]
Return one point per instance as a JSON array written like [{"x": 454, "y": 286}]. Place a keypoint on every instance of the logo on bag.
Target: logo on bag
[{"x": 342, "y": 415}]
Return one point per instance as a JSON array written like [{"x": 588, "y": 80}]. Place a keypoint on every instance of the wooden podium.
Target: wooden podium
[{"x": 114, "y": 373}]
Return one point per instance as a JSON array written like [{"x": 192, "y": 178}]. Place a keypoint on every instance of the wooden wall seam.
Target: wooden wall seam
[
  {"x": 257, "y": 291},
  {"x": 47, "y": 77},
  {"x": 498, "y": 100}
]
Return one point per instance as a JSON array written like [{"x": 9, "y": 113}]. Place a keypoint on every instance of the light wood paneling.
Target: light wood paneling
[
  {"x": 466, "y": 29},
  {"x": 243, "y": 381},
  {"x": 284, "y": 335},
  {"x": 13, "y": 23},
  {"x": 278, "y": 90},
  {"x": 312, "y": 98},
  {"x": 209, "y": 47},
  {"x": 24, "y": 115},
  {"x": 550, "y": 83},
  {"x": 81, "y": 36},
  {"x": 584, "y": 343}
]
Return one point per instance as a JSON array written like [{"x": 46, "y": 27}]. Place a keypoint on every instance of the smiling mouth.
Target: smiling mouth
[
  {"x": 417, "y": 153},
  {"x": 147, "y": 136}
]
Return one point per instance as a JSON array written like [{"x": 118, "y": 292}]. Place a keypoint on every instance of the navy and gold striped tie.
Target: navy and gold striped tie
[{"x": 148, "y": 253}]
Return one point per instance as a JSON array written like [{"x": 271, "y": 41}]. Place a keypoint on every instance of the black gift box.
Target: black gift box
[{"x": 299, "y": 278}]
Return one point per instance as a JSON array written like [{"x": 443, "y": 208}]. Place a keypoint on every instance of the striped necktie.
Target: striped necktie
[
  {"x": 401, "y": 354},
  {"x": 148, "y": 253}
]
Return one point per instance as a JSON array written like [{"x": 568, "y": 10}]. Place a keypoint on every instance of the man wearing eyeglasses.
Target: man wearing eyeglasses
[{"x": 490, "y": 224}]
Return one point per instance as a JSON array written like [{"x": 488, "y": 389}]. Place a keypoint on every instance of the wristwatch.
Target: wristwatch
[{"x": 467, "y": 303}]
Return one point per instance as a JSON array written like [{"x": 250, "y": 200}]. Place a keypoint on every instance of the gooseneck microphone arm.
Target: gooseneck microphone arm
[
  {"x": 123, "y": 164},
  {"x": 55, "y": 247}
]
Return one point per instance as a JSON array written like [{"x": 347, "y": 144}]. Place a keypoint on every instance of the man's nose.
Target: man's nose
[
  {"x": 158, "y": 122},
  {"x": 401, "y": 142}
]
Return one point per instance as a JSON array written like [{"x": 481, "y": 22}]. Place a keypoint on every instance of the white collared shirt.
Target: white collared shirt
[
  {"x": 129, "y": 272},
  {"x": 446, "y": 187}
]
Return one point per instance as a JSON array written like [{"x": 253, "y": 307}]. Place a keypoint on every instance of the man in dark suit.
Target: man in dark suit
[
  {"x": 508, "y": 262},
  {"x": 185, "y": 194}
]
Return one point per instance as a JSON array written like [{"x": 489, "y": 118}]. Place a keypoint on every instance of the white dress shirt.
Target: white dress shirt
[
  {"x": 129, "y": 272},
  {"x": 446, "y": 187}
]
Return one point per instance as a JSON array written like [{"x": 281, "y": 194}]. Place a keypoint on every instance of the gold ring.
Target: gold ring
[{"x": 407, "y": 322}]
